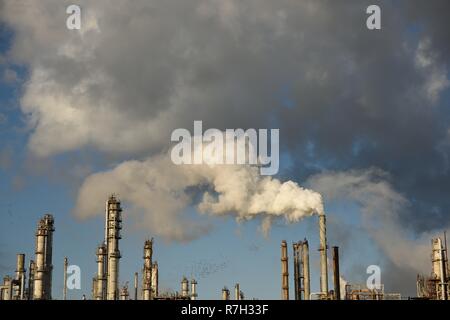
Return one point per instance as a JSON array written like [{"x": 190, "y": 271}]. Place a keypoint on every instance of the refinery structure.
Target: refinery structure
[{"x": 33, "y": 280}]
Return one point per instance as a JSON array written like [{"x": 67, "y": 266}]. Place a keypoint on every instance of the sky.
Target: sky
[{"x": 363, "y": 118}]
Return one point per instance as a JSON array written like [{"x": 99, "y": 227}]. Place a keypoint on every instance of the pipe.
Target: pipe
[
  {"x": 442, "y": 273},
  {"x": 336, "y": 276},
  {"x": 225, "y": 293},
  {"x": 66, "y": 263},
  {"x": 306, "y": 275},
  {"x": 114, "y": 224},
  {"x": 284, "y": 272},
  {"x": 136, "y": 286},
  {"x": 323, "y": 256},
  {"x": 193, "y": 289},
  {"x": 147, "y": 270},
  {"x": 296, "y": 271}
]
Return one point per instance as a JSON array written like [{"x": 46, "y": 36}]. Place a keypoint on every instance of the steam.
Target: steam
[{"x": 159, "y": 192}]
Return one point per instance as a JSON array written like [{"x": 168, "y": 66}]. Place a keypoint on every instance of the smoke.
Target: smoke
[
  {"x": 159, "y": 193},
  {"x": 380, "y": 206}
]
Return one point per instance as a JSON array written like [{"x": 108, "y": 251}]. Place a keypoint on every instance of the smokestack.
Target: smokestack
[
  {"x": 136, "y": 286},
  {"x": 193, "y": 289},
  {"x": 237, "y": 292},
  {"x": 306, "y": 276},
  {"x": 147, "y": 270},
  {"x": 225, "y": 293},
  {"x": 43, "y": 271},
  {"x": 284, "y": 272},
  {"x": 336, "y": 276},
  {"x": 184, "y": 288},
  {"x": 155, "y": 280},
  {"x": 114, "y": 225},
  {"x": 66, "y": 263},
  {"x": 296, "y": 271},
  {"x": 323, "y": 256},
  {"x": 20, "y": 276}
]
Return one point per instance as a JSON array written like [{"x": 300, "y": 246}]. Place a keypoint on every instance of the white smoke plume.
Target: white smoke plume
[{"x": 158, "y": 192}]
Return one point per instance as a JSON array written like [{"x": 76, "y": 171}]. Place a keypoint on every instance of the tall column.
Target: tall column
[
  {"x": 306, "y": 275},
  {"x": 114, "y": 225},
  {"x": 284, "y": 272},
  {"x": 20, "y": 276},
  {"x": 155, "y": 280},
  {"x": 43, "y": 270},
  {"x": 147, "y": 270},
  {"x": 100, "y": 283},
  {"x": 193, "y": 289},
  {"x": 336, "y": 276},
  {"x": 323, "y": 256}
]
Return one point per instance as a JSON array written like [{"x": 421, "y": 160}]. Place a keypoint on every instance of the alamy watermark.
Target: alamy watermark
[{"x": 232, "y": 146}]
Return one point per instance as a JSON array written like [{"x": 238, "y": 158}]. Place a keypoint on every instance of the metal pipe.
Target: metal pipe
[
  {"x": 323, "y": 256},
  {"x": 284, "y": 272},
  {"x": 306, "y": 276},
  {"x": 336, "y": 276},
  {"x": 66, "y": 263},
  {"x": 296, "y": 271}
]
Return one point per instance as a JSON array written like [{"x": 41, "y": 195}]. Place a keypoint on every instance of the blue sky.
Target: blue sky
[{"x": 363, "y": 113}]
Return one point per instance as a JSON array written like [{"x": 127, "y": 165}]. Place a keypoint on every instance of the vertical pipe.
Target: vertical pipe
[
  {"x": 135, "y": 286},
  {"x": 442, "y": 274},
  {"x": 306, "y": 276},
  {"x": 336, "y": 276},
  {"x": 296, "y": 271},
  {"x": 284, "y": 272},
  {"x": 193, "y": 289},
  {"x": 323, "y": 256},
  {"x": 66, "y": 263},
  {"x": 31, "y": 270}
]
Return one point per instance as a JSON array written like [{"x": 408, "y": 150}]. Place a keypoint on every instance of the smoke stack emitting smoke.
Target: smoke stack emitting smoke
[{"x": 158, "y": 192}]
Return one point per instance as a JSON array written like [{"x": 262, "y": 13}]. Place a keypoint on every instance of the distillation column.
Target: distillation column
[
  {"x": 185, "y": 287},
  {"x": 237, "y": 292},
  {"x": 323, "y": 256},
  {"x": 20, "y": 277},
  {"x": 155, "y": 280},
  {"x": 43, "y": 270},
  {"x": 193, "y": 289},
  {"x": 114, "y": 225},
  {"x": 100, "y": 283},
  {"x": 147, "y": 271},
  {"x": 284, "y": 272},
  {"x": 297, "y": 249},
  {"x": 66, "y": 263},
  {"x": 31, "y": 271},
  {"x": 225, "y": 293},
  {"x": 136, "y": 285},
  {"x": 306, "y": 275}
]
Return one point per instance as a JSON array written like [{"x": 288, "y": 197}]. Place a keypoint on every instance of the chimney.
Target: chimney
[
  {"x": 284, "y": 272},
  {"x": 336, "y": 276},
  {"x": 114, "y": 225},
  {"x": 323, "y": 256},
  {"x": 306, "y": 276}
]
